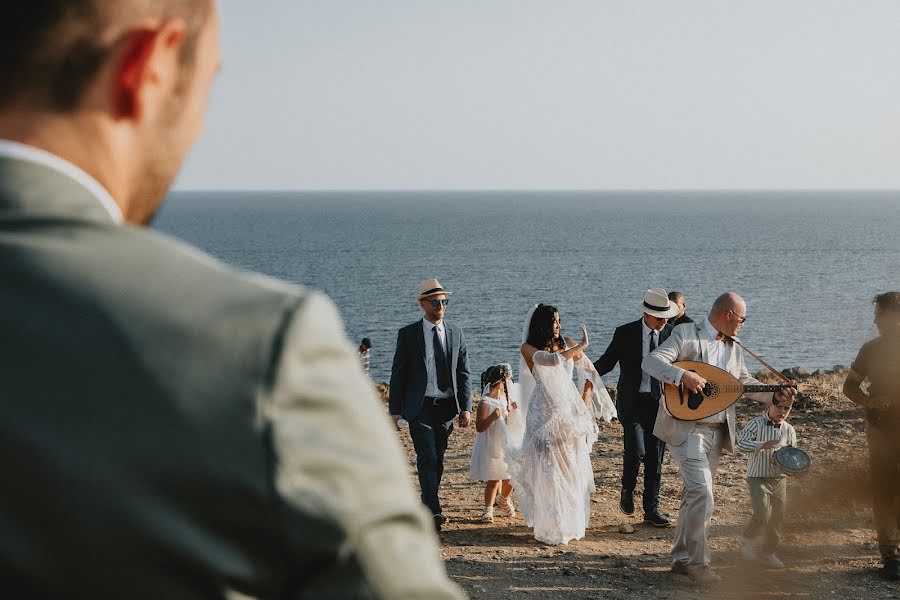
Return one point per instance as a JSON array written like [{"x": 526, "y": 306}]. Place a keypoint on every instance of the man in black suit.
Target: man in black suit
[
  {"x": 430, "y": 386},
  {"x": 637, "y": 401},
  {"x": 678, "y": 319}
]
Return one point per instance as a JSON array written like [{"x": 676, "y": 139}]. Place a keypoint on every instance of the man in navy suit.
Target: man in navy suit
[
  {"x": 637, "y": 400},
  {"x": 429, "y": 387}
]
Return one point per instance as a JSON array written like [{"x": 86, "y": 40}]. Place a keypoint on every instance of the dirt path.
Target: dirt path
[{"x": 829, "y": 548}]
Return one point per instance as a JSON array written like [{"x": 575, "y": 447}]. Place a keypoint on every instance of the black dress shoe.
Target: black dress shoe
[
  {"x": 891, "y": 570},
  {"x": 626, "y": 502},
  {"x": 438, "y": 521},
  {"x": 656, "y": 519}
]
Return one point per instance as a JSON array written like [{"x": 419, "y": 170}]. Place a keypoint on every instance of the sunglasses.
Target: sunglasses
[
  {"x": 739, "y": 317},
  {"x": 436, "y": 303}
]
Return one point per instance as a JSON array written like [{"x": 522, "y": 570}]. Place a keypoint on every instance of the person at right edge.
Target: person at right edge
[
  {"x": 878, "y": 362},
  {"x": 172, "y": 428}
]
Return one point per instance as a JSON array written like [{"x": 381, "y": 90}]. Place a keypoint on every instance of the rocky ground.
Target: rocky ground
[{"x": 829, "y": 548}]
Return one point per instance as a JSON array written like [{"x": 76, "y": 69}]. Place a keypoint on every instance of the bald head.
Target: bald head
[
  {"x": 728, "y": 313},
  {"x": 727, "y": 301}
]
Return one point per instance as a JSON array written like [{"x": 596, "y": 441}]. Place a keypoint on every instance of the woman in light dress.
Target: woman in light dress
[{"x": 552, "y": 473}]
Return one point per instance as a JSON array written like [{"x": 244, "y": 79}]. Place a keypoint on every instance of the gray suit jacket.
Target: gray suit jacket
[
  {"x": 689, "y": 341},
  {"x": 174, "y": 429}
]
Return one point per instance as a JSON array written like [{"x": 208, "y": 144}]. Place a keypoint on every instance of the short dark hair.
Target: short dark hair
[
  {"x": 674, "y": 296},
  {"x": 887, "y": 301},
  {"x": 366, "y": 342},
  {"x": 53, "y": 49}
]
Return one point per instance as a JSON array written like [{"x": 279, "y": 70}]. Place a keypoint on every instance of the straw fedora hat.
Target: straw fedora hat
[
  {"x": 431, "y": 287},
  {"x": 657, "y": 304}
]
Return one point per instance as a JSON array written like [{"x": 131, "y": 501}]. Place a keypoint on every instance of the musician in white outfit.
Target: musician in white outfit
[{"x": 697, "y": 445}]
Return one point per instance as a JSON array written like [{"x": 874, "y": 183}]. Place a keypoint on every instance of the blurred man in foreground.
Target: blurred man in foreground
[
  {"x": 171, "y": 428},
  {"x": 878, "y": 362}
]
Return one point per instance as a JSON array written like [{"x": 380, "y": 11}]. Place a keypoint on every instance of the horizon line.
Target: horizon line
[{"x": 532, "y": 190}]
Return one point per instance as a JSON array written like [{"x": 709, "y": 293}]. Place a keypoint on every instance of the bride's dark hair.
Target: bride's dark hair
[{"x": 540, "y": 330}]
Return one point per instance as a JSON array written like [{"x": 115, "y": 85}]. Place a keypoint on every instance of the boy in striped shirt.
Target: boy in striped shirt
[{"x": 761, "y": 437}]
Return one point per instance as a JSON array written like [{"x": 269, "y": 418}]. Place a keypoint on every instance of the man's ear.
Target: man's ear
[{"x": 149, "y": 68}]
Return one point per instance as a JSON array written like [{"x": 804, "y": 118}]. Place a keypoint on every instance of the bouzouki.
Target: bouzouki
[{"x": 722, "y": 389}]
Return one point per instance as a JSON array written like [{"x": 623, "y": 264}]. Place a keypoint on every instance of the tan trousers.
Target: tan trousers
[{"x": 768, "y": 497}]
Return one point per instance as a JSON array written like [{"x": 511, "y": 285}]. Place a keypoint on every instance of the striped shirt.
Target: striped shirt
[{"x": 758, "y": 431}]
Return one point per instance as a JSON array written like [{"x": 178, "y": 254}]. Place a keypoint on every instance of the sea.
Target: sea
[{"x": 808, "y": 263}]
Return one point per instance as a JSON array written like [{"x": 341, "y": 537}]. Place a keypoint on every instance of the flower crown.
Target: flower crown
[{"x": 496, "y": 373}]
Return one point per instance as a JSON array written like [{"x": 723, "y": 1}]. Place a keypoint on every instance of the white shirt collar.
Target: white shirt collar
[
  {"x": 19, "y": 151},
  {"x": 429, "y": 325},
  {"x": 711, "y": 331},
  {"x": 647, "y": 330}
]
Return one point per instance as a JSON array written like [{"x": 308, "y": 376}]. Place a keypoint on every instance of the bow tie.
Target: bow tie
[{"x": 721, "y": 337}]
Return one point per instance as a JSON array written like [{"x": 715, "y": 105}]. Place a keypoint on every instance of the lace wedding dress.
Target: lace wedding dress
[{"x": 551, "y": 471}]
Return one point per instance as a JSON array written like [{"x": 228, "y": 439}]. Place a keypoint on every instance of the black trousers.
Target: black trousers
[
  {"x": 642, "y": 447},
  {"x": 430, "y": 431}
]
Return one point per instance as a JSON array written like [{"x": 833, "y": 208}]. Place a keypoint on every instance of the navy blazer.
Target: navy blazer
[
  {"x": 626, "y": 349},
  {"x": 408, "y": 375}
]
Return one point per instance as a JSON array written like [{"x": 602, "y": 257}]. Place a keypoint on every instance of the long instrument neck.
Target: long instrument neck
[{"x": 767, "y": 388}]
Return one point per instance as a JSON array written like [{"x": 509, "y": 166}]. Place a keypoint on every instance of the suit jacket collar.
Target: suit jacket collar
[
  {"x": 703, "y": 334},
  {"x": 44, "y": 188},
  {"x": 703, "y": 339},
  {"x": 449, "y": 337}
]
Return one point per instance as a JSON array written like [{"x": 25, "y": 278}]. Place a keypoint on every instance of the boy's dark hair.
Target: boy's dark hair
[{"x": 887, "y": 301}]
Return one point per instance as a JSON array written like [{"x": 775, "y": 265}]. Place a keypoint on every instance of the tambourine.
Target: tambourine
[{"x": 793, "y": 461}]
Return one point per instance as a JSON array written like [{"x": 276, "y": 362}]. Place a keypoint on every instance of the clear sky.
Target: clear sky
[{"x": 555, "y": 94}]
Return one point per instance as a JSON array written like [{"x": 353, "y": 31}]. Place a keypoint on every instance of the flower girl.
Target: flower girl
[{"x": 489, "y": 450}]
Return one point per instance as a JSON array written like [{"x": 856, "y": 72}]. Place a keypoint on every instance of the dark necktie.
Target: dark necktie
[
  {"x": 440, "y": 362},
  {"x": 654, "y": 383}
]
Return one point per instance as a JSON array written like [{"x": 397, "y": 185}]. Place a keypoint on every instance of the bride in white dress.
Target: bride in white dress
[{"x": 552, "y": 474}]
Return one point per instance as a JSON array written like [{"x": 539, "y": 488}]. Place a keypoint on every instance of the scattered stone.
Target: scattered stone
[
  {"x": 795, "y": 373},
  {"x": 626, "y": 528}
]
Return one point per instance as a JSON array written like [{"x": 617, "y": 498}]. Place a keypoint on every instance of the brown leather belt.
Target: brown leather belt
[{"x": 709, "y": 425}]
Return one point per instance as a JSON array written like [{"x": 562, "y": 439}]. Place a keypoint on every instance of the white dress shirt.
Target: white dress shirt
[
  {"x": 431, "y": 386},
  {"x": 718, "y": 353},
  {"x": 645, "y": 350},
  {"x": 10, "y": 149}
]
